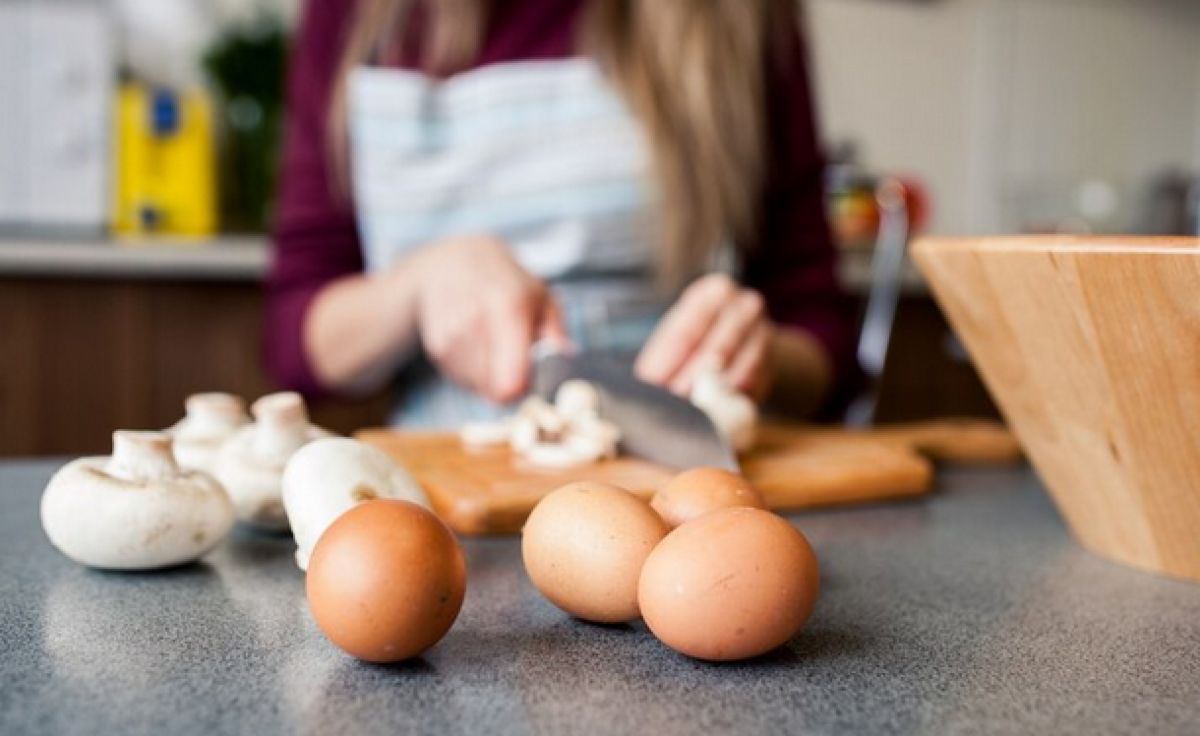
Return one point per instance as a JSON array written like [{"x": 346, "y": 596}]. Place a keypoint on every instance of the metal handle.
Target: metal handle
[{"x": 887, "y": 267}]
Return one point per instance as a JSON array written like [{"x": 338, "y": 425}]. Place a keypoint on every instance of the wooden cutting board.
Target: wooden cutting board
[{"x": 482, "y": 491}]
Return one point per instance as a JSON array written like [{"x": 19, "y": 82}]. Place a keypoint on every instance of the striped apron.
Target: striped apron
[{"x": 543, "y": 155}]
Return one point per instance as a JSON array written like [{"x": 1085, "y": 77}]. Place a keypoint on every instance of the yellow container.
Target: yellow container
[{"x": 165, "y": 163}]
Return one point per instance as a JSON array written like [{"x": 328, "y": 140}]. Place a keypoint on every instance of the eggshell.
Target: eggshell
[
  {"x": 696, "y": 492},
  {"x": 386, "y": 580},
  {"x": 732, "y": 584},
  {"x": 584, "y": 545}
]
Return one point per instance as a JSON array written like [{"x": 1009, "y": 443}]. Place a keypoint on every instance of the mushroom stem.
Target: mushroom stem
[
  {"x": 215, "y": 412},
  {"x": 141, "y": 456},
  {"x": 282, "y": 424}
]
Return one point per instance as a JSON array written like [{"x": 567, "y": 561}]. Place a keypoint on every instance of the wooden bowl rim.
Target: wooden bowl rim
[{"x": 1130, "y": 244}]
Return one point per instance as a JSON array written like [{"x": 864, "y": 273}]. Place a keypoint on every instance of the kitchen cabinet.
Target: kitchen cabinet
[{"x": 93, "y": 339}]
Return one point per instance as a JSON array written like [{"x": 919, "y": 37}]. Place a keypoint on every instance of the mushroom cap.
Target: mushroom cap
[
  {"x": 253, "y": 479},
  {"x": 211, "y": 414},
  {"x": 328, "y": 477},
  {"x": 709, "y": 385},
  {"x": 101, "y": 520},
  {"x": 733, "y": 413},
  {"x": 250, "y": 463},
  {"x": 199, "y": 453},
  {"x": 211, "y": 419},
  {"x": 735, "y": 416}
]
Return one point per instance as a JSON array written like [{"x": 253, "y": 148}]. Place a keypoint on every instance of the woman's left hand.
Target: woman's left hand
[{"x": 714, "y": 321}]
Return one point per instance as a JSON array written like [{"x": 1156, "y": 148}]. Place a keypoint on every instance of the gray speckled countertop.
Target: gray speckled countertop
[{"x": 969, "y": 611}]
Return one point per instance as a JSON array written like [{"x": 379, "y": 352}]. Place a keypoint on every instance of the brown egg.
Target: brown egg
[
  {"x": 386, "y": 580},
  {"x": 731, "y": 584},
  {"x": 584, "y": 545},
  {"x": 695, "y": 492}
]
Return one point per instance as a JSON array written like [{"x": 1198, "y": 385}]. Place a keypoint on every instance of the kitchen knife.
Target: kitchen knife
[{"x": 655, "y": 424}]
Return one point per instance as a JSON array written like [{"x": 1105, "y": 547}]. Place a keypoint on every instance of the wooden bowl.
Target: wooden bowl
[{"x": 1091, "y": 348}]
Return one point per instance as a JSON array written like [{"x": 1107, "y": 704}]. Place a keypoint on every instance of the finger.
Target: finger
[
  {"x": 731, "y": 329},
  {"x": 747, "y": 370},
  {"x": 478, "y": 366},
  {"x": 512, "y": 331},
  {"x": 445, "y": 348},
  {"x": 472, "y": 368},
  {"x": 683, "y": 328}
]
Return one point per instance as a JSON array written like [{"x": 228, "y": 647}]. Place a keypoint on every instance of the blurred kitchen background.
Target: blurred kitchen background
[{"x": 138, "y": 142}]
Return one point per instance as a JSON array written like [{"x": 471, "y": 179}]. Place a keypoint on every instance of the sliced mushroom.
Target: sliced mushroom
[
  {"x": 486, "y": 434},
  {"x": 545, "y": 416},
  {"x": 537, "y": 422},
  {"x": 250, "y": 464},
  {"x": 328, "y": 477},
  {"x": 524, "y": 434},
  {"x": 577, "y": 399},
  {"x": 135, "y": 510},
  {"x": 564, "y": 434},
  {"x": 210, "y": 419},
  {"x": 599, "y": 436}
]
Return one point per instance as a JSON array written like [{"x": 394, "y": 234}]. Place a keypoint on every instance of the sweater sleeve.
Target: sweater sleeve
[
  {"x": 315, "y": 239},
  {"x": 794, "y": 263}
]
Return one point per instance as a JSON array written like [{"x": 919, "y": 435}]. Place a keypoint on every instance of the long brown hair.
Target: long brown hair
[{"x": 692, "y": 71}]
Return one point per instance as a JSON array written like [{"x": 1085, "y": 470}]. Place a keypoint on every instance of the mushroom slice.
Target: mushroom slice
[
  {"x": 577, "y": 398},
  {"x": 135, "y": 510},
  {"x": 543, "y": 414},
  {"x": 250, "y": 464},
  {"x": 329, "y": 476},
  {"x": 592, "y": 431},
  {"x": 536, "y": 422},
  {"x": 210, "y": 419},
  {"x": 486, "y": 434},
  {"x": 567, "y": 433},
  {"x": 524, "y": 433}
]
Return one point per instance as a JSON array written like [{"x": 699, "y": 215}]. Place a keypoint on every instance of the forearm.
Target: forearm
[
  {"x": 359, "y": 328},
  {"x": 802, "y": 372}
]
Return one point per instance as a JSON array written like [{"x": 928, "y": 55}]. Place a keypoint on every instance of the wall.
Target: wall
[{"x": 1007, "y": 107}]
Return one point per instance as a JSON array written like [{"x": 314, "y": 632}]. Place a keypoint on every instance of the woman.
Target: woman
[{"x": 462, "y": 178}]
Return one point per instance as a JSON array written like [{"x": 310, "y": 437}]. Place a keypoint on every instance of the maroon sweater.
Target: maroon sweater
[{"x": 316, "y": 239}]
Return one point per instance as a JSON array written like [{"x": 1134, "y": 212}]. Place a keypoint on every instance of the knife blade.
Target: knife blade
[{"x": 655, "y": 424}]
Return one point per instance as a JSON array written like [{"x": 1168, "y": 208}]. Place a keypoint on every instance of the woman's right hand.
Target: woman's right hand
[{"x": 479, "y": 313}]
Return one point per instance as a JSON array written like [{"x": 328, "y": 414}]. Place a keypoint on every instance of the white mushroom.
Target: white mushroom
[
  {"x": 709, "y": 385},
  {"x": 524, "y": 434},
  {"x": 210, "y": 419},
  {"x": 544, "y": 415},
  {"x": 486, "y": 434},
  {"x": 593, "y": 432},
  {"x": 135, "y": 510},
  {"x": 576, "y": 398},
  {"x": 733, "y": 414},
  {"x": 567, "y": 433},
  {"x": 536, "y": 422},
  {"x": 564, "y": 434},
  {"x": 327, "y": 477},
  {"x": 251, "y": 462}
]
